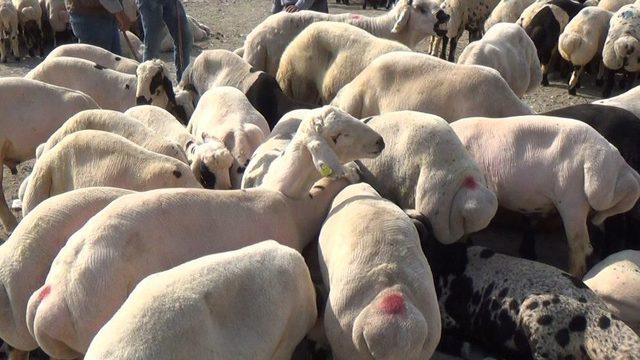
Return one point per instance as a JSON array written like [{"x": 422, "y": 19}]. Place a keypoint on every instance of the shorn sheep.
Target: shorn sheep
[
  {"x": 409, "y": 22},
  {"x": 210, "y": 162},
  {"x": 25, "y": 126},
  {"x": 440, "y": 182},
  {"x": 9, "y": 31},
  {"x": 418, "y": 82},
  {"x": 382, "y": 302},
  {"x": 96, "y": 54},
  {"x": 225, "y": 115},
  {"x": 582, "y": 42},
  {"x": 265, "y": 288},
  {"x": 507, "y": 11},
  {"x": 325, "y": 57},
  {"x": 25, "y": 258},
  {"x": 97, "y": 158},
  {"x": 283, "y": 209},
  {"x": 508, "y": 49},
  {"x": 629, "y": 100},
  {"x": 30, "y": 22},
  {"x": 622, "y": 47},
  {"x": 574, "y": 170}
]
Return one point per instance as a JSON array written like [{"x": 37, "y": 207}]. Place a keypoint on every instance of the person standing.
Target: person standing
[
  {"x": 297, "y": 5},
  {"x": 154, "y": 15},
  {"x": 96, "y": 22}
]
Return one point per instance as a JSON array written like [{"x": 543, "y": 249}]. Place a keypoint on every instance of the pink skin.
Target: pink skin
[
  {"x": 43, "y": 292},
  {"x": 392, "y": 304},
  {"x": 469, "y": 183}
]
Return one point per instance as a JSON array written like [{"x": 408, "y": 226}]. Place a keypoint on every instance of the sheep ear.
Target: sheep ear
[
  {"x": 403, "y": 18},
  {"x": 325, "y": 159}
]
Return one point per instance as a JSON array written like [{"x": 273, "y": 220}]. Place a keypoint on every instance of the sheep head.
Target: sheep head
[
  {"x": 210, "y": 162},
  {"x": 155, "y": 88},
  {"x": 422, "y": 17}
]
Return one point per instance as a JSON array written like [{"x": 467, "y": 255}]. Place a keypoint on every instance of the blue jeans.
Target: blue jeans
[
  {"x": 98, "y": 30},
  {"x": 155, "y": 14}
]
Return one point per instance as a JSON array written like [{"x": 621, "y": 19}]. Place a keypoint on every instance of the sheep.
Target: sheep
[
  {"x": 411, "y": 81},
  {"x": 464, "y": 15},
  {"x": 622, "y": 47},
  {"x": 408, "y": 22},
  {"x": 281, "y": 209},
  {"x": 97, "y": 158},
  {"x": 115, "y": 123},
  {"x": 583, "y": 39},
  {"x": 25, "y": 126},
  {"x": 9, "y": 30},
  {"x": 265, "y": 288},
  {"x": 574, "y": 170},
  {"x": 96, "y": 54},
  {"x": 614, "y": 5},
  {"x": 210, "y": 162},
  {"x": 628, "y": 100},
  {"x": 325, "y": 57},
  {"x": 224, "y": 68},
  {"x": 508, "y": 49},
  {"x": 25, "y": 258},
  {"x": 507, "y": 11},
  {"x": 391, "y": 310},
  {"x": 58, "y": 19},
  {"x": 136, "y": 44},
  {"x": 616, "y": 280},
  {"x": 199, "y": 32},
  {"x": 519, "y": 308},
  {"x": 30, "y": 24},
  {"x": 271, "y": 148},
  {"x": 225, "y": 114}
]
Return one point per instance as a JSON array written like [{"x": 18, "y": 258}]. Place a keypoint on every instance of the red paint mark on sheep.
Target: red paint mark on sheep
[
  {"x": 469, "y": 182},
  {"x": 356, "y": 16},
  {"x": 392, "y": 304},
  {"x": 46, "y": 290}
]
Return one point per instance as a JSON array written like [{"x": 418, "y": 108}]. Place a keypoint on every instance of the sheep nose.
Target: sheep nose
[
  {"x": 442, "y": 16},
  {"x": 141, "y": 100},
  {"x": 380, "y": 144},
  {"x": 208, "y": 178}
]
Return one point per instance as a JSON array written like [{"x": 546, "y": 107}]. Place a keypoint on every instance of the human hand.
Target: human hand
[
  {"x": 123, "y": 21},
  {"x": 291, "y": 9}
]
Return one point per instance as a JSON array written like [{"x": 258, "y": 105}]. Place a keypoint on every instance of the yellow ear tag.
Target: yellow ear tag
[{"x": 325, "y": 170}]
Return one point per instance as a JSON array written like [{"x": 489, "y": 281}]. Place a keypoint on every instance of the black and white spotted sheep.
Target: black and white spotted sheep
[{"x": 521, "y": 309}]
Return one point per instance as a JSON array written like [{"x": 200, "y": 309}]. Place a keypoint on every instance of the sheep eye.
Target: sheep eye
[{"x": 335, "y": 138}]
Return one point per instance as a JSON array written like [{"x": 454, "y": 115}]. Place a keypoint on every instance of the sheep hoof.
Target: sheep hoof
[{"x": 572, "y": 91}]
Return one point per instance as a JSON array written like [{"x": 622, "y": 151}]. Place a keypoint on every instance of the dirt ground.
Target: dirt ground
[{"x": 231, "y": 20}]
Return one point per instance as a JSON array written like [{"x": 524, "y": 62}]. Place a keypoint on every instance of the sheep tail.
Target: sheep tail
[{"x": 569, "y": 43}]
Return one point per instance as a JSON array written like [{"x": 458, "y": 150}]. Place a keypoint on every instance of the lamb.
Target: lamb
[
  {"x": 273, "y": 305},
  {"x": 440, "y": 182},
  {"x": 325, "y": 57},
  {"x": 464, "y": 15},
  {"x": 406, "y": 81},
  {"x": 409, "y": 22},
  {"x": 115, "y": 123},
  {"x": 97, "y": 158},
  {"x": 582, "y": 41},
  {"x": 224, "y": 114},
  {"x": 9, "y": 30},
  {"x": 25, "y": 258},
  {"x": 622, "y": 47},
  {"x": 96, "y": 54},
  {"x": 382, "y": 302},
  {"x": 522, "y": 309},
  {"x": 628, "y": 101},
  {"x": 210, "y": 162},
  {"x": 508, "y": 49},
  {"x": 507, "y": 11},
  {"x": 616, "y": 280},
  {"x": 574, "y": 170},
  {"x": 224, "y": 68},
  {"x": 614, "y": 5},
  {"x": 281, "y": 209},
  {"x": 25, "y": 126}
]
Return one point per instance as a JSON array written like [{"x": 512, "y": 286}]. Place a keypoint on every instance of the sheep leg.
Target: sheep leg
[
  {"x": 443, "y": 49},
  {"x": 8, "y": 220},
  {"x": 452, "y": 49},
  {"x": 629, "y": 78},
  {"x": 574, "y": 82},
  {"x": 545, "y": 74},
  {"x": 608, "y": 84},
  {"x": 574, "y": 218},
  {"x": 528, "y": 245},
  {"x": 601, "y": 72},
  {"x": 15, "y": 354}
]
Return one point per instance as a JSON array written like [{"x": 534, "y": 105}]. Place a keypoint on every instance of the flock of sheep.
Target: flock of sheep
[{"x": 150, "y": 215}]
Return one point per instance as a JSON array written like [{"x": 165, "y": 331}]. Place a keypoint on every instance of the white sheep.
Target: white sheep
[
  {"x": 622, "y": 48},
  {"x": 25, "y": 126},
  {"x": 225, "y": 115},
  {"x": 382, "y": 301},
  {"x": 97, "y": 158},
  {"x": 96, "y": 54},
  {"x": 30, "y": 23},
  {"x": 408, "y": 22},
  {"x": 614, "y": 5},
  {"x": 583, "y": 40},
  {"x": 176, "y": 226},
  {"x": 507, "y": 11},
  {"x": 199, "y": 32},
  {"x": 136, "y": 44},
  {"x": 265, "y": 288},
  {"x": 629, "y": 101},
  {"x": 440, "y": 182},
  {"x": 224, "y": 68},
  {"x": 210, "y": 162},
  {"x": 25, "y": 258},
  {"x": 508, "y": 49},
  {"x": 9, "y": 30},
  {"x": 57, "y": 14},
  {"x": 418, "y": 82},
  {"x": 553, "y": 164},
  {"x": 325, "y": 57},
  {"x": 616, "y": 280}
]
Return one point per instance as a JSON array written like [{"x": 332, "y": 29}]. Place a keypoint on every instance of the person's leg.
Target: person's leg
[
  {"x": 151, "y": 16},
  {"x": 98, "y": 30},
  {"x": 176, "y": 19}
]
